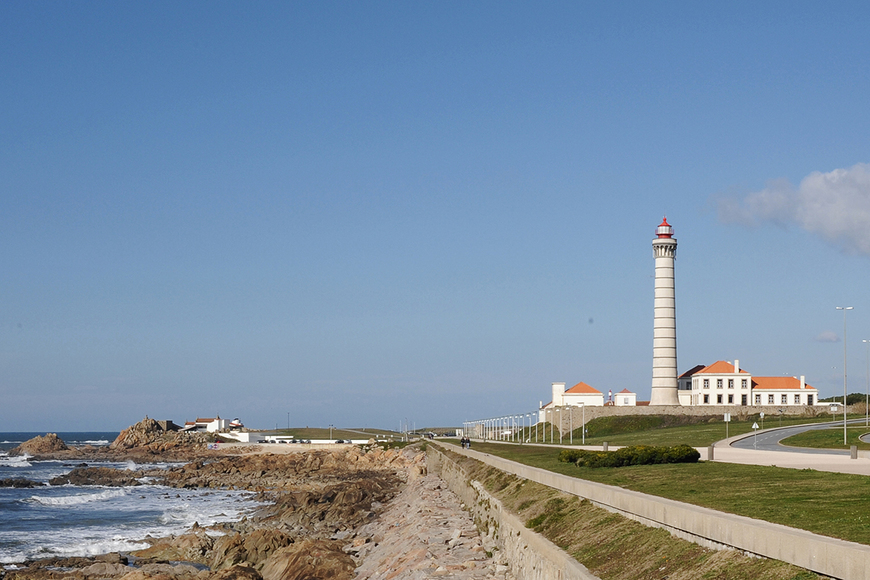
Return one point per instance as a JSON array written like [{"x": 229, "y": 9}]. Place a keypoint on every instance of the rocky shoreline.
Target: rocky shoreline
[{"x": 352, "y": 512}]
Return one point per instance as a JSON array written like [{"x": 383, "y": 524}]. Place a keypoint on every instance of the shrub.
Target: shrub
[
  {"x": 570, "y": 455},
  {"x": 632, "y": 455}
]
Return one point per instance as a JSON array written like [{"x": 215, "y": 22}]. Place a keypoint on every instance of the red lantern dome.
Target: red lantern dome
[{"x": 665, "y": 230}]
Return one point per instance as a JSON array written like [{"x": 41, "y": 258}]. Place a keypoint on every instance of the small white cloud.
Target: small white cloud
[
  {"x": 833, "y": 205},
  {"x": 828, "y": 336}
]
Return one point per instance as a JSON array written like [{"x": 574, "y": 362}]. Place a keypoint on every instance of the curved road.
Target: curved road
[{"x": 769, "y": 439}]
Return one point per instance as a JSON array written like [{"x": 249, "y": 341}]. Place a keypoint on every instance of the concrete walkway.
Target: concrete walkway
[
  {"x": 817, "y": 461},
  {"x": 724, "y": 452}
]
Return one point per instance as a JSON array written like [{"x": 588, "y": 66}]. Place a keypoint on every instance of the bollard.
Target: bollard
[
  {"x": 604, "y": 446},
  {"x": 710, "y": 453},
  {"x": 854, "y": 451}
]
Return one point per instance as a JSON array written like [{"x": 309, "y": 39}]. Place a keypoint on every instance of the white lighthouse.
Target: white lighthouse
[{"x": 664, "y": 377}]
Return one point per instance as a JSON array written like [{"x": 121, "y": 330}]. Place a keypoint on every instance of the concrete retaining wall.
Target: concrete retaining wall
[
  {"x": 531, "y": 556},
  {"x": 831, "y": 557}
]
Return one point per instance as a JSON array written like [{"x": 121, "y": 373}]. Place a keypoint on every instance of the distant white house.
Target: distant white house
[
  {"x": 208, "y": 425},
  {"x": 579, "y": 395},
  {"x": 625, "y": 398}
]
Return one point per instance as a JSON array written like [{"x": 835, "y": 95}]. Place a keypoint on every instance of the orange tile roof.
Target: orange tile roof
[
  {"x": 582, "y": 388},
  {"x": 765, "y": 383},
  {"x": 720, "y": 367},
  {"x": 625, "y": 391}
]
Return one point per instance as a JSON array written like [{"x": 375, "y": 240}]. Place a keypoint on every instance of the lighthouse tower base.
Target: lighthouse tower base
[{"x": 664, "y": 396}]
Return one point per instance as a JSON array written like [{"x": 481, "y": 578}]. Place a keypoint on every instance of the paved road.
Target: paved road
[{"x": 769, "y": 439}]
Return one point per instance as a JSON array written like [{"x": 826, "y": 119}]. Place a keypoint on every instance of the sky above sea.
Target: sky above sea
[{"x": 370, "y": 214}]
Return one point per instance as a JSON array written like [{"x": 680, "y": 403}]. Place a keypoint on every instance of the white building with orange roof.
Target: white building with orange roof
[
  {"x": 625, "y": 398},
  {"x": 783, "y": 391},
  {"x": 208, "y": 424},
  {"x": 579, "y": 395},
  {"x": 725, "y": 383}
]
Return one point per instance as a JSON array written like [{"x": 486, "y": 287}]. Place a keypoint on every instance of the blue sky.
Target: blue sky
[{"x": 362, "y": 214}]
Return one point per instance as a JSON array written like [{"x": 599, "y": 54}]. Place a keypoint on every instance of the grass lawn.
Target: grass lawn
[
  {"x": 698, "y": 435},
  {"x": 830, "y": 504},
  {"x": 829, "y": 438}
]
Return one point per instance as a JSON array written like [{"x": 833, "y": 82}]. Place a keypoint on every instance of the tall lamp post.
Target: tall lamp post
[
  {"x": 844, "y": 309},
  {"x": 867, "y": 398}
]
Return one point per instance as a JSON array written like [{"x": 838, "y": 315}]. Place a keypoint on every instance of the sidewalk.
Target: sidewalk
[{"x": 724, "y": 453}]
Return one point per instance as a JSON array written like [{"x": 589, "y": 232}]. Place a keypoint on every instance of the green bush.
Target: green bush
[
  {"x": 632, "y": 455},
  {"x": 570, "y": 455}
]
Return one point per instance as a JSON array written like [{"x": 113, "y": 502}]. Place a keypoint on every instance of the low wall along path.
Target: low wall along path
[{"x": 828, "y": 556}]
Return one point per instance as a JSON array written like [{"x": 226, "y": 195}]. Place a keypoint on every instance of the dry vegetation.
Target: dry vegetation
[{"x": 614, "y": 547}]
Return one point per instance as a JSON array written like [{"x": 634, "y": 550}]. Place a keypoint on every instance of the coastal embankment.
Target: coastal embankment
[
  {"x": 366, "y": 512},
  {"x": 340, "y": 513}
]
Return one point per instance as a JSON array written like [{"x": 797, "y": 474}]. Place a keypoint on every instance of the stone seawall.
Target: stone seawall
[{"x": 531, "y": 556}]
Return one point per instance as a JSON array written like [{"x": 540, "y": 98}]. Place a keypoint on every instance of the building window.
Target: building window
[
  {"x": 706, "y": 383},
  {"x": 718, "y": 383},
  {"x": 718, "y": 399},
  {"x": 742, "y": 383},
  {"x": 730, "y": 383},
  {"x": 730, "y": 399},
  {"x": 757, "y": 398},
  {"x": 797, "y": 399},
  {"x": 770, "y": 399},
  {"x": 706, "y": 399},
  {"x": 743, "y": 400},
  {"x": 809, "y": 399},
  {"x": 784, "y": 399}
]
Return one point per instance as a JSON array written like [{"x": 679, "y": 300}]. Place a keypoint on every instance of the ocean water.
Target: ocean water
[{"x": 74, "y": 520}]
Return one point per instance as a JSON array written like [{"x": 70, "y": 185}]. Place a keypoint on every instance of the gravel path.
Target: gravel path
[{"x": 425, "y": 533}]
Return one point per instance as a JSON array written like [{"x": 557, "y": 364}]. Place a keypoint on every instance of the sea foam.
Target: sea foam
[
  {"x": 80, "y": 498},
  {"x": 19, "y": 461}
]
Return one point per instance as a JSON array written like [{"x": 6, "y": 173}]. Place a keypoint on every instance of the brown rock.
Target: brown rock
[
  {"x": 252, "y": 550},
  {"x": 40, "y": 444},
  {"x": 309, "y": 559},
  {"x": 98, "y": 476},
  {"x": 105, "y": 570},
  {"x": 190, "y": 547},
  {"x": 240, "y": 572}
]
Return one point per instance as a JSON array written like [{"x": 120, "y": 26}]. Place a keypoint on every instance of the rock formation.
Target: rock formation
[
  {"x": 40, "y": 445},
  {"x": 151, "y": 435}
]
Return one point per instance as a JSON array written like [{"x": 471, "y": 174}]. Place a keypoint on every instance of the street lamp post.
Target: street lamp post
[
  {"x": 583, "y": 405},
  {"x": 552, "y": 419},
  {"x": 867, "y": 398},
  {"x": 844, "y": 309}
]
